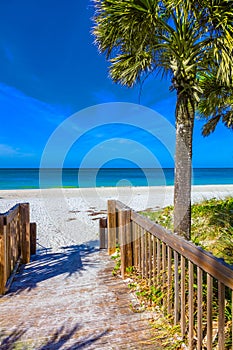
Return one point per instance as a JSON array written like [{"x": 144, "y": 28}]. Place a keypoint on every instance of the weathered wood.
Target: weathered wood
[
  {"x": 176, "y": 288},
  {"x": 150, "y": 258},
  {"x": 121, "y": 221},
  {"x": 7, "y": 250},
  {"x": 140, "y": 249},
  {"x": 221, "y": 315},
  {"x": 158, "y": 262},
  {"x": 206, "y": 261},
  {"x": 209, "y": 311},
  {"x": 164, "y": 285},
  {"x": 14, "y": 242},
  {"x": 191, "y": 306},
  {"x": 112, "y": 230},
  {"x": 182, "y": 297},
  {"x": 33, "y": 238},
  {"x": 129, "y": 243},
  {"x": 2, "y": 256},
  {"x": 125, "y": 240},
  {"x": 11, "y": 214},
  {"x": 25, "y": 227},
  {"x": 143, "y": 253},
  {"x": 136, "y": 244},
  {"x": 146, "y": 265},
  {"x": 154, "y": 259},
  {"x": 199, "y": 307},
  {"x": 232, "y": 317},
  {"x": 169, "y": 281}
]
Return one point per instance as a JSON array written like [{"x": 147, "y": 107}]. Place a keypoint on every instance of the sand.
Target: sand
[{"x": 67, "y": 217}]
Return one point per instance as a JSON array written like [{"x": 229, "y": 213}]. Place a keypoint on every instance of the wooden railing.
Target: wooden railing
[
  {"x": 195, "y": 287},
  {"x": 17, "y": 242}
]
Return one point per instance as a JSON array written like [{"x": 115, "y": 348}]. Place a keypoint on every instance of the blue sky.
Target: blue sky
[{"x": 50, "y": 69}]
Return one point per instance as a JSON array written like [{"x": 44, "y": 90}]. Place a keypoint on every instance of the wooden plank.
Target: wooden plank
[
  {"x": 150, "y": 258},
  {"x": 2, "y": 256},
  {"x": 7, "y": 229},
  {"x": 25, "y": 227},
  {"x": 209, "y": 311},
  {"x": 126, "y": 240},
  {"x": 232, "y": 318},
  {"x": 128, "y": 233},
  {"x": 136, "y": 246},
  {"x": 221, "y": 315},
  {"x": 146, "y": 254},
  {"x": 120, "y": 206},
  {"x": 154, "y": 259},
  {"x": 182, "y": 296},
  {"x": 143, "y": 252},
  {"x": 176, "y": 288},
  {"x": 140, "y": 249},
  {"x": 169, "y": 281},
  {"x": 206, "y": 261},
  {"x": 191, "y": 306},
  {"x": 199, "y": 308},
  {"x": 121, "y": 221},
  {"x": 112, "y": 230},
  {"x": 32, "y": 238},
  {"x": 158, "y": 262},
  {"x": 102, "y": 233},
  {"x": 164, "y": 265},
  {"x": 10, "y": 214}
]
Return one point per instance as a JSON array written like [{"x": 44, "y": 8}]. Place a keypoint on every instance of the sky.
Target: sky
[{"x": 50, "y": 69}]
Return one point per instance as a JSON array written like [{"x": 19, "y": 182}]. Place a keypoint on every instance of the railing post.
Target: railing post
[
  {"x": 102, "y": 232},
  {"x": 125, "y": 234},
  {"x": 112, "y": 230},
  {"x": 25, "y": 232},
  {"x": 2, "y": 256},
  {"x": 32, "y": 238}
]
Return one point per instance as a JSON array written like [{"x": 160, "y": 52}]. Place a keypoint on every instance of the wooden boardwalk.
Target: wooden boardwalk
[{"x": 70, "y": 300}]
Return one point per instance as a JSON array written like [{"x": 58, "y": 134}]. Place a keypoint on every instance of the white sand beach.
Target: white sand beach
[{"x": 66, "y": 217}]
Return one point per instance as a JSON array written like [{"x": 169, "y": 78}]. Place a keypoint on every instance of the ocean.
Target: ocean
[{"x": 13, "y": 179}]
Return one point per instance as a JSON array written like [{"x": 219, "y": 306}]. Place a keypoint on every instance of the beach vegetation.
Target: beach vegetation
[
  {"x": 117, "y": 258},
  {"x": 212, "y": 225},
  {"x": 177, "y": 39}
]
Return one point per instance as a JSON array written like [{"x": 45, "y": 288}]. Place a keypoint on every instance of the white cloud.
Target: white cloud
[{"x": 9, "y": 151}]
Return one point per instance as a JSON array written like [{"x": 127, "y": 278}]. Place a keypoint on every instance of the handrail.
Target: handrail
[
  {"x": 198, "y": 256},
  {"x": 188, "y": 277}
]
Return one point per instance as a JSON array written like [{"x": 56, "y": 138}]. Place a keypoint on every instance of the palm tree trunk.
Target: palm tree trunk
[{"x": 183, "y": 166}]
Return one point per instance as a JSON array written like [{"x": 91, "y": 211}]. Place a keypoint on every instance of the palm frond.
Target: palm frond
[{"x": 210, "y": 126}]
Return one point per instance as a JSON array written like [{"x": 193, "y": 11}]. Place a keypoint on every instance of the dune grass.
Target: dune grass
[{"x": 212, "y": 225}]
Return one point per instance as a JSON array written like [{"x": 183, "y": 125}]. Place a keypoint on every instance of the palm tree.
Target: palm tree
[
  {"x": 216, "y": 103},
  {"x": 179, "y": 40}
]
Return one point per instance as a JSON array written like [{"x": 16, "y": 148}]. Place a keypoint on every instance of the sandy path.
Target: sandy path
[{"x": 69, "y": 216}]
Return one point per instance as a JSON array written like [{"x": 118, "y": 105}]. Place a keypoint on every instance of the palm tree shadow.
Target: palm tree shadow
[
  {"x": 7, "y": 342},
  {"x": 57, "y": 340},
  {"x": 70, "y": 261},
  {"x": 60, "y": 338}
]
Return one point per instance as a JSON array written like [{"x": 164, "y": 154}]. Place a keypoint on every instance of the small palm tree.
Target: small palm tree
[{"x": 179, "y": 39}]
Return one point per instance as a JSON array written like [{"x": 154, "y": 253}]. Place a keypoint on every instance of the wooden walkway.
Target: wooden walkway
[{"x": 70, "y": 300}]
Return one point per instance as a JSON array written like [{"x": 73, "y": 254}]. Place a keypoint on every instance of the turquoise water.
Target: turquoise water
[{"x": 29, "y": 178}]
